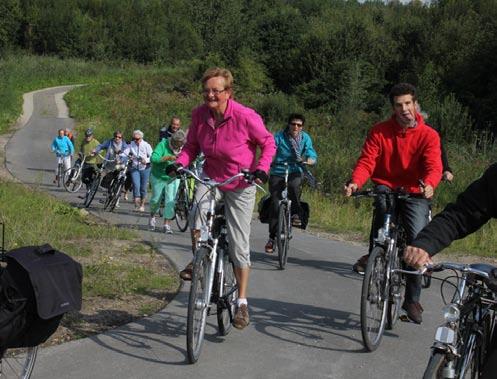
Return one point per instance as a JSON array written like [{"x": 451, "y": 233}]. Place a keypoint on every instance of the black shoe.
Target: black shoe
[
  {"x": 360, "y": 265},
  {"x": 414, "y": 311}
]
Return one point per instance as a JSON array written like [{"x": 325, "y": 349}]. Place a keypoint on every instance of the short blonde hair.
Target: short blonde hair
[{"x": 214, "y": 72}]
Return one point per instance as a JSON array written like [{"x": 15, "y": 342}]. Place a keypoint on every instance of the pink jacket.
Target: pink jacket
[{"x": 231, "y": 146}]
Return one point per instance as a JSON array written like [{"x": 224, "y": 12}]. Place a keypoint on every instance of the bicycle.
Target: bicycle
[
  {"x": 116, "y": 186},
  {"x": 72, "y": 177},
  {"x": 183, "y": 203},
  {"x": 18, "y": 362},
  {"x": 284, "y": 231},
  {"x": 60, "y": 169},
  {"x": 382, "y": 283},
  {"x": 95, "y": 183},
  {"x": 213, "y": 279},
  {"x": 462, "y": 343}
]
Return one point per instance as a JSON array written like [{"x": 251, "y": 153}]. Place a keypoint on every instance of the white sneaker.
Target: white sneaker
[
  {"x": 142, "y": 208},
  {"x": 152, "y": 223},
  {"x": 167, "y": 229}
]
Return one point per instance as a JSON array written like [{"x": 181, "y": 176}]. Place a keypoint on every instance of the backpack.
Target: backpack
[{"x": 38, "y": 285}]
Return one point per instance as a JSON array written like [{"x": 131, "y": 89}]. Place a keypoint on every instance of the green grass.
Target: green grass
[
  {"x": 111, "y": 280},
  {"x": 32, "y": 217}
]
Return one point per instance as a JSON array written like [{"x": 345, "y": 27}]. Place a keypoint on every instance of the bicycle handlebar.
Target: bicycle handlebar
[
  {"x": 489, "y": 274},
  {"x": 213, "y": 184},
  {"x": 400, "y": 194}
]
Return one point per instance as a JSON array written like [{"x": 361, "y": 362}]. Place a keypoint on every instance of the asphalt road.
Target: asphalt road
[{"x": 304, "y": 320}]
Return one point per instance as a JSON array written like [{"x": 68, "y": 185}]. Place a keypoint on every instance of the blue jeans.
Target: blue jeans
[
  {"x": 140, "y": 182},
  {"x": 414, "y": 213}
]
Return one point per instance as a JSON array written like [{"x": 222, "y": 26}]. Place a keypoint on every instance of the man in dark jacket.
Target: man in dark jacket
[
  {"x": 167, "y": 131},
  {"x": 472, "y": 209}
]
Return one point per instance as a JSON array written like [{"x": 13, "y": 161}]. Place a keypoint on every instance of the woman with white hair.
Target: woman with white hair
[
  {"x": 164, "y": 186},
  {"x": 140, "y": 152}
]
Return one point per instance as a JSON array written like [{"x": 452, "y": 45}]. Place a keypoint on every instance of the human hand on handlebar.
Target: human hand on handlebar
[
  {"x": 260, "y": 177},
  {"x": 349, "y": 188},
  {"x": 416, "y": 257},
  {"x": 173, "y": 168}
]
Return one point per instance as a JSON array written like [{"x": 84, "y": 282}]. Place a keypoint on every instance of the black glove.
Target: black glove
[
  {"x": 173, "y": 168},
  {"x": 261, "y": 175}
]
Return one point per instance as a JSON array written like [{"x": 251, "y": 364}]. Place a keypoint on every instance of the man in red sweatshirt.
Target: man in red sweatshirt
[{"x": 398, "y": 153}]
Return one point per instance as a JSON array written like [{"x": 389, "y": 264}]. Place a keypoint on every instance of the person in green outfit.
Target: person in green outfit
[
  {"x": 162, "y": 184},
  {"x": 90, "y": 164}
]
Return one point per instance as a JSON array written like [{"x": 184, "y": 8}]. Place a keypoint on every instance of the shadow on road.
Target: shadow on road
[
  {"x": 146, "y": 336},
  {"x": 270, "y": 262},
  {"x": 306, "y": 325}
]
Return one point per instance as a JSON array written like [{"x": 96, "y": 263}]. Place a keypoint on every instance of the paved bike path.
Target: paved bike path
[{"x": 304, "y": 320}]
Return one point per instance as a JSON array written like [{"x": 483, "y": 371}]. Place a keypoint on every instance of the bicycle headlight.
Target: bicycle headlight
[{"x": 451, "y": 313}]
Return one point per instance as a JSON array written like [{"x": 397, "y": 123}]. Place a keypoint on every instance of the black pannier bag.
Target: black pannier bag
[
  {"x": 264, "y": 209},
  {"x": 304, "y": 217},
  {"x": 38, "y": 285}
]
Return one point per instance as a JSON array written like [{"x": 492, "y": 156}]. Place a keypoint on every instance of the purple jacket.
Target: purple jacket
[{"x": 231, "y": 146}]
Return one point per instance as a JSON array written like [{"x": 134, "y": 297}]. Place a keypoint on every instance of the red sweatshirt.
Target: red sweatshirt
[{"x": 398, "y": 157}]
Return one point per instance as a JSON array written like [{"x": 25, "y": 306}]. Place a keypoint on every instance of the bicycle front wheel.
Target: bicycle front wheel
[
  {"x": 394, "y": 300},
  {"x": 181, "y": 208},
  {"x": 18, "y": 363},
  {"x": 198, "y": 304},
  {"x": 115, "y": 194},
  {"x": 282, "y": 236},
  {"x": 90, "y": 194},
  {"x": 374, "y": 298},
  {"x": 436, "y": 364},
  {"x": 60, "y": 174},
  {"x": 226, "y": 306},
  {"x": 72, "y": 180}
]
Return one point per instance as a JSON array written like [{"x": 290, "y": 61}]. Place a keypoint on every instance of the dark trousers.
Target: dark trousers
[
  {"x": 276, "y": 186},
  {"x": 414, "y": 213},
  {"x": 87, "y": 174}
]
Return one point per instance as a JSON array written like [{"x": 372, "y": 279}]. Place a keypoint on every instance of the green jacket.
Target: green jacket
[
  {"x": 86, "y": 149},
  {"x": 159, "y": 166}
]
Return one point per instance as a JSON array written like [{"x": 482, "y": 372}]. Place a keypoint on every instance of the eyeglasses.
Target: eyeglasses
[
  {"x": 207, "y": 91},
  {"x": 297, "y": 124},
  {"x": 118, "y": 137}
]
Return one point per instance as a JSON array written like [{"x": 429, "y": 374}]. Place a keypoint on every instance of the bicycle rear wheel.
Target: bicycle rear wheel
[
  {"x": 72, "y": 180},
  {"x": 374, "y": 298},
  {"x": 90, "y": 194},
  {"x": 198, "y": 304},
  {"x": 226, "y": 306},
  {"x": 18, "y": 363},
  {"x": 435, "y": 366},
  {"x": 181, "y": 207},
  {"x": 282, "y": 236}
]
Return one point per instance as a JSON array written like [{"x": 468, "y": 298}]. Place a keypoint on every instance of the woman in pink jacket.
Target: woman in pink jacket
[{"x": 228, "y": 134}]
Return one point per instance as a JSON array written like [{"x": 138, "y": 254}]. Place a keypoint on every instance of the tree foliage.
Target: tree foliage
[{"x": 336, "y": 56}]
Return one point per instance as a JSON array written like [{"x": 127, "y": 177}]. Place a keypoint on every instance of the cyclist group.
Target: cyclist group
[{"x": 401, "y": 152}]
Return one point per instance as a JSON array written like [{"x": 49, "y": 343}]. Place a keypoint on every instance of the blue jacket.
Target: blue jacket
[
  {"x": 62, "y": 146},
  {"x": 285, "y": 153},
  {"x": 107, "y": 147}
]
